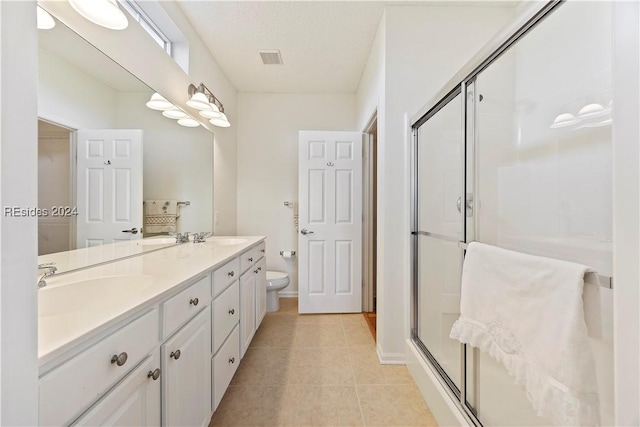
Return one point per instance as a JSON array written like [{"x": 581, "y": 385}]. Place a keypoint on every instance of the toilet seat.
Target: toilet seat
[{"x": 276, "y": 279}]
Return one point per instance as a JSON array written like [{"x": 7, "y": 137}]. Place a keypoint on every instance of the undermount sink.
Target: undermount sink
[
  {"x": 227, "y": 241},
  {"x": 157, "y": 241},
  {"x": 90, "y": 293}
]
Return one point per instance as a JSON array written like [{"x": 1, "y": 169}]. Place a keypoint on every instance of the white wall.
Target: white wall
[
  {"x": 423, "y": 47},
  {"x": 71, "y": 97},
  {"x": 268, "y": 163},
  {"x": 178, "y": 161},
  {"x": 18, "y": 236}
]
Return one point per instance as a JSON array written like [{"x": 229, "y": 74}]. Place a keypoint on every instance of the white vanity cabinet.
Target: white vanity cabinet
[
  {"x": 135, "y": 401},
  {"x": 253, "y": 294},
  {"x": 73, "y": 386},
  {"x": 186, "y": 374},
  {"x": 247, "y": 310},
  {"x": 168, "y": 364}
]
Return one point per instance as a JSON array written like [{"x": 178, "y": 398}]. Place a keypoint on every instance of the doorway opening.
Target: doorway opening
[
  {"x": 369, "y": 223},
  {"x": 55, "y": 189}
]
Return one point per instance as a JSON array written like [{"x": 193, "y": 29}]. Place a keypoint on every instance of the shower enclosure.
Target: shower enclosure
[{"x": 516, "y": 152}]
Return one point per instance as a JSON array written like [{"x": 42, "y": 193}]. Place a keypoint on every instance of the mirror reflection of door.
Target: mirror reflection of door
[
  {"x": 91, "y": 198},
  {"x": 54, "y": 187}
]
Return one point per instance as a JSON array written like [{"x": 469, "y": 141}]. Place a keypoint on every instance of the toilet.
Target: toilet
[{"x": 276, "y": 280}]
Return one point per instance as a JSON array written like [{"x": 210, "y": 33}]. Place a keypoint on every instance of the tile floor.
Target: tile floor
[{"x": 318, "y": 370}]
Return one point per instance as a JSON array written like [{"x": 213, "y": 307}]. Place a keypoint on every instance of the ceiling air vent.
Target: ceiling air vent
[{"x": 270, "y": 57}]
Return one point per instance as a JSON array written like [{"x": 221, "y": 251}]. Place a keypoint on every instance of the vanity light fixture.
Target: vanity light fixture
[
  {"x": 45, "y": 21},
  {"x": 201, "y": 98},
  {"x": 564, "y": 120},
  {"x": 189, "y": 122},
  {"x": 174, "y": 113},
  {"x": 105, "y": 13},
  {"x": 591, "y": 110},
  {"x": 158, "y": 102}
]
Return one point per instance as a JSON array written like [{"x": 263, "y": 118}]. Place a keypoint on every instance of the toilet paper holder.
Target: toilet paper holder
[{"x": 293, "y": 253}]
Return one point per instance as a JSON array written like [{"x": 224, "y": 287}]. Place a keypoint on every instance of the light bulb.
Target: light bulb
[
  {"x": 105, "y": 13},
  {"x": 158, "y": 102},
  {"x": 188, "y": 122},
  {"x": 564, "y": 120},
  {"x": 45, "y": 21},
  {"x": 591, "y": 110},
  {"x": 174, "y": 113}
]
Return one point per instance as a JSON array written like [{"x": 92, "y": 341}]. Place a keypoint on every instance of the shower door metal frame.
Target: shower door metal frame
[{"x": 465, "y": 78}]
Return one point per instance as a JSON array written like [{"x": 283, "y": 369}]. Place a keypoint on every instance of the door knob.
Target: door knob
[
  {"x": 132, "y": 231},
  {"x": 305, "y": 231}
]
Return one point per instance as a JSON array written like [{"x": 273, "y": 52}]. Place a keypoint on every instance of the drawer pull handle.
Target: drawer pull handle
[
  {"x": 232, "y": 311},
  {"x": 175, "y": 354},
  {"x": 231, "y": 273},
  {"x": 119, "y": 359},
  {"x": 232, "y": 360},
  {"x": 194, "y": 301},
  {"x": 250, "y": 259},
  {"x": 154, "y": 374}
]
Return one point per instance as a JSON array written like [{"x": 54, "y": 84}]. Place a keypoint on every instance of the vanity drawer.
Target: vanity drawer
[
  {"x": 225, "y": 363},
  {"x": 185, "y": 305},
  {"x": 226, "y": 312},
  {"x": 225, "y": 275},
  {"x": 72, "y": 387},
  {"x": 260, "y": 250},
  {"x": 248, "y": 258}
]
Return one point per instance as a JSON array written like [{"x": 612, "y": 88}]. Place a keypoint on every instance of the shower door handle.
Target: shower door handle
[{"x": 469, "y": 205}]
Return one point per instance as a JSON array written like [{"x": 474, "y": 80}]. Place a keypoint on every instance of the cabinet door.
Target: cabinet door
[
  {"x": 247, "y": 309},
  {"x": 261, "y": 291},
  {"x": 186, "y": 362},
  {"x": 133, "y": 402}
]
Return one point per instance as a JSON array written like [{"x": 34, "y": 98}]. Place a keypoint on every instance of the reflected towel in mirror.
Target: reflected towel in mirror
[{"x": 160, "y": 216}]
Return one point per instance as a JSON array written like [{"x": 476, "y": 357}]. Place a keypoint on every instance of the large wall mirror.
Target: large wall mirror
[{"x": 83, "y": 93}]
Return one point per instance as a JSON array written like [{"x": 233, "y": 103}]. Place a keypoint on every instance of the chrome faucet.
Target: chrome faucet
[
  {"x": 50, "y": 269},
  {"x": 181, "y": 237},
  {"x": 202, "y": 236}
]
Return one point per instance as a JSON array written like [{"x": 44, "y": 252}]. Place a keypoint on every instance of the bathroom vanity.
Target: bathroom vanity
[{"x": 152, "y": 339}]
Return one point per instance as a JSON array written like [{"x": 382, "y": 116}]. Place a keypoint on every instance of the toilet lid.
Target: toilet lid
[{"x": 277, "y": 277}]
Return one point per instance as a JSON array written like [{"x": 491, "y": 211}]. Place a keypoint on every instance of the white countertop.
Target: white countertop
[
  {"x": 89, "y": 257},
  {"x": 105, "y": 302}
]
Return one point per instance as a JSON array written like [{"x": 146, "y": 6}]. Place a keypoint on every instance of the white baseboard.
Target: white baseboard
[
  {"x": 288, "y": 294},
  {"x": 390, "y": 358},
  {"x": 441, "y": 404}
]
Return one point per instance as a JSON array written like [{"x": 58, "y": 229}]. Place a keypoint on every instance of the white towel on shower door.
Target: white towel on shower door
[{"x": 527, "y": 312}]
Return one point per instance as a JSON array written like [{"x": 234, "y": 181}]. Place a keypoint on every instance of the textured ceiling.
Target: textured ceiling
[{"x": 324, "y": 44}]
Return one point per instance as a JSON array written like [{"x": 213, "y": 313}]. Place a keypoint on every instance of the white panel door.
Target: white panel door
[
  {"x": 330, "y": 239},
  {"x": 109, "y": 186}
]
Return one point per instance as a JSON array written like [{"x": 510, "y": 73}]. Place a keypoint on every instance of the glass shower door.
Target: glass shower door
[{"x": 439, "y": 228}]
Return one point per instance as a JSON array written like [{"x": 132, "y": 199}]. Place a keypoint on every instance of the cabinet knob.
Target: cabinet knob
[
  {"x": 230, "y": 274},
  {"x": 259, "y": 268},
  {"x": 250, "y": 259},
  {"x": 175, "y": 354},
  {"x": 232, "y": 360},
  {"x": 194, "y": 301},
  {"x": 119, "y": 359},
  {"x": 232, "y": 311},
  {"x": 255, "y": 271},
  {"x": 154, "y": 374},
  {"x": 262, "y": 250}
]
